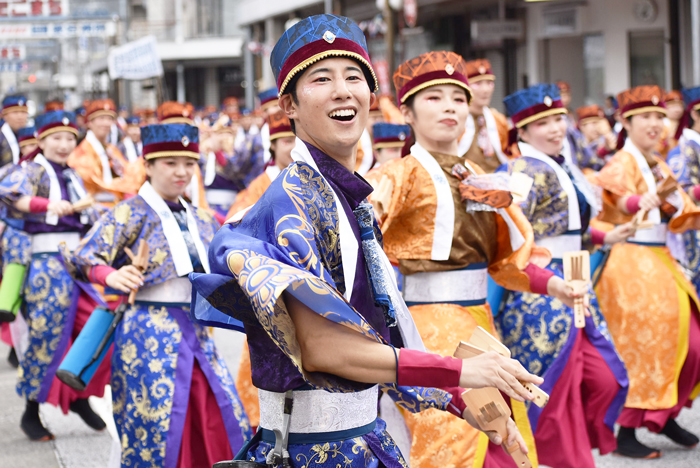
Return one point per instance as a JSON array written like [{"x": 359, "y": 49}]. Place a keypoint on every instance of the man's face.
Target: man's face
[
  {"x": 101, "y": 126},
  {"x": 134, "y": 132},
  {"x": 482, "y": 91},
  {"x": 246, "y": 122},
  {"x": 16, "y": 120},
  {"x": 566, "y": 98},
  {"x": 333, "y": 104},
  {"x": 674, "y": 110}
]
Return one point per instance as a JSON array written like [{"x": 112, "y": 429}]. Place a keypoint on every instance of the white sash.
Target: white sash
[
  {"x": 492, "y": 130},
  {"x": 193, "y": 189},
  {"x": 265, "y": 136},
  {"x": 114, "y": 134},
  {"x": 12, "y": 141},
  {"x": 173, "y": 235},
  {"x": 130, "y": 149},
  {"x": 102, "y": 154},
  {"x": 54, "y": 187},
  {"x": 210, "y": 169},
  {"x": 272, "y": 172},
  {"x": 368, "y": 157},
  {"x": 655, "y": 214},
  {"x": 445, "y": 210},
  {"x": 691, "y": 135},
  {"x": 564, "y": 181},
  {"x": 580, "y": 179},
  {"x": 240, "y": 138},
  {"x": 349, "y": 249}
]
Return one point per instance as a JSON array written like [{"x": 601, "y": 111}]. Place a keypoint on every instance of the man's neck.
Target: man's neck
[
  {"x": 345, "y": 156},
  {"x": 103, "y": 141},
  {"x": 476, "y": 111},
  {"x": 696, "y": 128}
]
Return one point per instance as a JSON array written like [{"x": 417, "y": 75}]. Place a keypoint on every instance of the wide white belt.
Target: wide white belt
[
  {"x": 221, "y": 196},
  {"x": 316, "y": 411},
  {"x": 446, "y": 286},
  {"x": 48, "y": 242},
  {"x": 559, "y": 245},
  {"x": 173, "y": 291},
  {"x": 105, "y": 197},
  {"x": 654, "y": 235}
]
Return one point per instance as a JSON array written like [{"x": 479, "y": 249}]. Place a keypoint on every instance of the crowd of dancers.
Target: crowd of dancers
[{"x": 357, "y": 236}]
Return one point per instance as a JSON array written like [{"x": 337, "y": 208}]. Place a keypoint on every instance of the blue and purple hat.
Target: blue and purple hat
[
  {"x": 53, "y": 122},
  {"x": 165, "y": 140},
  {"x": 27, "y": 136},
  {"x": 268, "y": 98},
  {"x": 17, "y": 103},
  {"x": 534, "y": 103},
  {"x": 133, "y": 121},
  {"x": 387, "y": 135},
  {"x": 316, "y": 38}
]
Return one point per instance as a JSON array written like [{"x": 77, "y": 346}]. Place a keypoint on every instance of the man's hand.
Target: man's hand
[
  {"x": 557, "y": 287},
  {"x": 513, "y": 432},
  {"x": 60, "y": 208},
  {"x": 494, "y": 370},
  {"x": 125, "y": 279},
  {"x": 620, "y": 233},
  {"x": 649, "y": 201}
]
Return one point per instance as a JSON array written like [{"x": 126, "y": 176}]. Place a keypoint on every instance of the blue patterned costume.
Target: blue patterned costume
[
  {"x": 159, "y": 353},
  {"x": 684, "y": 161}
]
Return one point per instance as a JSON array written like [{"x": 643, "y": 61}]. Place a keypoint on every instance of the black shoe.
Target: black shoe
[
  {"x": 82, "y": 408},
  {"x": 31, "y": 424},
  {"x": 12, "y": 358},
  {"x": 629, "y": 446},
  {"x": 679, "y": 435}
]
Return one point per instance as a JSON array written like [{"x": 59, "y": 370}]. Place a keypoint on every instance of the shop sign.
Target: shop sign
[
  {"x": 33, "y": 9},
  {"x": 57, "y": 30},
  {"x": 493, "y": 32},
  {"x": 13, "y": 52}
]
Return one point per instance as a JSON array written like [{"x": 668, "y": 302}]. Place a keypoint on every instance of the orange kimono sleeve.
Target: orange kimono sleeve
[
  {"x": 502, "y": 124},
  {"x": 620, "y": 177},
  {"x": 689, "y": 216}
]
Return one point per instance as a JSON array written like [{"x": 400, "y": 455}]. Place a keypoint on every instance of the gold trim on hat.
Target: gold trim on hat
[
  {"x": 389, "y": 144},
  {"x": 487, "y": 76},
  {"x": 644, "y": 109},
  {"x": 53, "y": 130},
  {"x": 540, "y": 115},
  {"x": 22, "y": 108},
  {"x": 28, "y": 141},
  {"x": 275, "y": 136},
  {"x": 100, "y": 112},
  {"x": 322, "y": 55},
  {"x": 177, "y": 120},
  {"x": 437, "y": 82},
  {"x": 166, "y": 154}
]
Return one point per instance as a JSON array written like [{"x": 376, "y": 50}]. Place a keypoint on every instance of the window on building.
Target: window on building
[
  {"x": 209, "y": 18},
  {"x": 647, "y": 58},
  {"x": 594, "y": 68}
]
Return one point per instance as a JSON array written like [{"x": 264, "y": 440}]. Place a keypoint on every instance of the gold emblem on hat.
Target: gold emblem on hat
[
  {"x": 185, "y": 141},
  {"x": 547, "y": 101},
  {"x": 106, "y": 106},
  {"x": 65, "y": 121},
  {"x": 449, "y": 69},
  {"x": 655, "y": 100},
  {"x": 185, "y": 113},
  {"x": 21, "y": 102},
  {"x": 329, "y": 37},
  {"x": 482, "y": 70}
]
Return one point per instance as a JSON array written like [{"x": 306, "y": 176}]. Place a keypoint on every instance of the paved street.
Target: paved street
[{"x": 77, "y": 446}]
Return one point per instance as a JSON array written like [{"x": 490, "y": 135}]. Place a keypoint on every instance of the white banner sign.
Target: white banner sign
[
  {"x": 136, "y": 60},
  {"x": 56, "y": 30}
]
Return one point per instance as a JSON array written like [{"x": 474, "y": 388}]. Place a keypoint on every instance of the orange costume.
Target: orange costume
[
  {"x": 485, "y": 138},
  {"x": 97, "y": 164},
  {"x": 646, "y": 299},
  {"x": 444, "y": 252}
]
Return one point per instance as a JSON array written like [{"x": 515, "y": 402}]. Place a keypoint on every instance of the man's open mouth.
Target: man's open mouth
[{"x": 343, "y": 115}]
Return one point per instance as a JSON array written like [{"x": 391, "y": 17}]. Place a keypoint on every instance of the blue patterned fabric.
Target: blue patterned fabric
[
  {"x": 51, "y": 301},
  {"x": 691, "y": 95},
  {"x": 155, "y": 349},
  {"x": 374, "y": 450},
  {"x": 529, "y": 97},
  {"x": 388, "y": 131},
  {"x": 684, "y": 161},
  {"x": 169, "y": 133},
  {"x": 314, "y": 29},
  {"x": 52, "y": 117}
]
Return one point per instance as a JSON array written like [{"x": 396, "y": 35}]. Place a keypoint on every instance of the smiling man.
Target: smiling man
[{"x": 304, "y": 274}]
